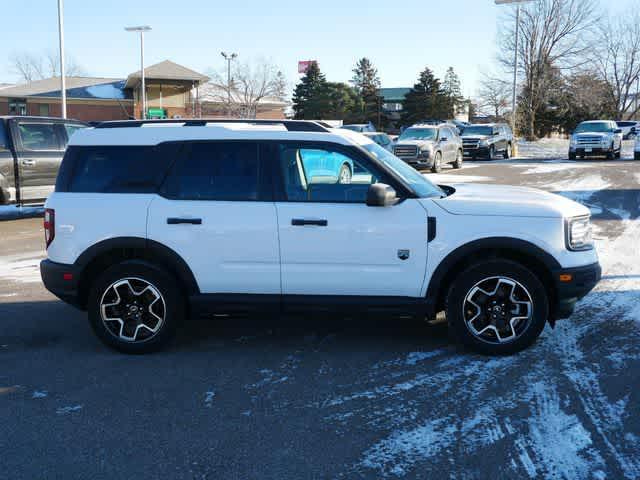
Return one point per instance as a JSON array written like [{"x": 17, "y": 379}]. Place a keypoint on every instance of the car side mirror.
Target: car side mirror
[
  {"x": 617, "y": 130},
  {"x": 443, "y": 139},
  {"x": 381, "y": 195}
]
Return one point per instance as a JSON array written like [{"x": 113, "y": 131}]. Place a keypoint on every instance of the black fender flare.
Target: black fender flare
[
  {"x": 152, "y": 250},
  {"x": 493, "y": 243}
]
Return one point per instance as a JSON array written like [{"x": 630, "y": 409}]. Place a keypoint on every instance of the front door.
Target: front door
[
  {"x": 216, "y": 211},
  {"x": 40, "y": 148},
  {"x": 331, "y": 242}
]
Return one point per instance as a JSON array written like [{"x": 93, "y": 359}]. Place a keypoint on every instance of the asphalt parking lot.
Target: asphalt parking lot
[{"x": 329, "y": 397}]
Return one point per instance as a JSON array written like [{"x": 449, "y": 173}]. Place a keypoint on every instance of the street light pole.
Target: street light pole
[
  {"x": 141, "y": 29},
  {"x": 515, "y": 59},
  {"x": 63, "y": 82},
  {"x": 229, "y": 57}
]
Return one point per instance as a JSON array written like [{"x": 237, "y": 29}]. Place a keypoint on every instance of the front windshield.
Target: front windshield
[
  {"x": 476, "y": 130},
  {"x": 418, "y": 182},
  {"x": 353, "y": 128},
  {"x": 419, "y": 134},
  {"x": 599, "y": 127}
]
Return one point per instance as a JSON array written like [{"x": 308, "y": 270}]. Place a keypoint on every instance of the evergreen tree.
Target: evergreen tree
[
  {"x": 367, "y": 84},
  {"x": 343, "y": 103},
  {"x": 309, "y": 96},
  {"x": 425, "y": 100},
  {"x": 452, "y": 89}
]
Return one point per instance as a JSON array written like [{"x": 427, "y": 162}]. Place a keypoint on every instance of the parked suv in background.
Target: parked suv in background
[
  {"x": 430, "y": 146},
  {"x": 487, "y": 141},
  {"x": 31, "y": 149},
  {"x": 596, "y": 138},
  {"x": 360, "y": 127},
  {"x": 149, "y": 225},
  {"x": 628, "y": 129}
]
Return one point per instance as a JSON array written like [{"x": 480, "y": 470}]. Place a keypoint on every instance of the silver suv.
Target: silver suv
[{"x": 430, "y": 146}]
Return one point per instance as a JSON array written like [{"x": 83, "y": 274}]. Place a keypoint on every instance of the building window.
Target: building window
[
  {"x": 392, "y": 107},
  {"x": 17, "y": 106},
  {"x": 43, "y": 109}
]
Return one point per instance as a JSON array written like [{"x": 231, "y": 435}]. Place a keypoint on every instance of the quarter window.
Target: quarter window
[
  {"x": 38, "y": 136},
  {"x": 323, "y": 175},
  {"x": 229, "y": 171}
]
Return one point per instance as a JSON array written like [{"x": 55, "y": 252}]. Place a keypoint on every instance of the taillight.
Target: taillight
[{"x": 49, "y": 225}]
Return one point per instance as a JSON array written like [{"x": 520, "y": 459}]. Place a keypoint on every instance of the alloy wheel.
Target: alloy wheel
[
  {"x": 345, "y": 175},
  {"x": 132, "y": 309},
  {"x": 497, "y": 310}
]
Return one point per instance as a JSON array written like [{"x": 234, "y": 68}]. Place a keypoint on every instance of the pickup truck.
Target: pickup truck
[{"x": 31, "y": 149}]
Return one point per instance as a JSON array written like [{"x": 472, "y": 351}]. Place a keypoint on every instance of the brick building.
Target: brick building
[{"x": 173, "y": 91}]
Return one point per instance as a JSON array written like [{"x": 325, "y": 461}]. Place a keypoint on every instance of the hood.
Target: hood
[
  {"x": 474, "y": 137},
  {"x": 419, "y": 143},
  {"x": 502, "y": 200},
  {"x": 592, "y": 134}
]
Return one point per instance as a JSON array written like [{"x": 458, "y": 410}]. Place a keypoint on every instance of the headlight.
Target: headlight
[
  {"x": 605, "y": 140},
  {"x": 484, "y": 143},
  {"x": 574, "y": 141},
  {"x": 579, "y": 234},
  {"x": 425, "y": 152}
]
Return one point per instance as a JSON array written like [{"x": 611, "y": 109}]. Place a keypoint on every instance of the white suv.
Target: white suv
[{"x": 153, "y": 222}]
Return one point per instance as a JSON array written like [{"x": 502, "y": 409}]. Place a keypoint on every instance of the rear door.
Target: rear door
[
  {"x": 7, "y": 176},
  {"x": 216, "y": 211},
  {"x": 39, "y": 149}
]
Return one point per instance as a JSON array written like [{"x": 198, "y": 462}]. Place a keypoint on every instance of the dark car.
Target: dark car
[
  {"x": 31, "y": 149},
  {"x": 360, "y": 127},
  {"x": 629, "y": 129},
  {"x": 487, "y": 141}
]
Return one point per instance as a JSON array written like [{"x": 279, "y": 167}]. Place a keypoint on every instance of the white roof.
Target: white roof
[{"x": 155, "y": 133}]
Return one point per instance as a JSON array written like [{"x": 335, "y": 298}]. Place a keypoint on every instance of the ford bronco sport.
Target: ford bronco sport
[{"x": 152, "y": 222}]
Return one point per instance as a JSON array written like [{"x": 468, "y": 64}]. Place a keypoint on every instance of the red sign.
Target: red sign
[{"x": 304, "y": 65}]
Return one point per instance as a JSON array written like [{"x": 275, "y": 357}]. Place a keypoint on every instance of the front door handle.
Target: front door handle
[
  {"x": 28, "y": 163},
  {"x": 299, "y": 222},
  {"x": 187, "y": 221}
]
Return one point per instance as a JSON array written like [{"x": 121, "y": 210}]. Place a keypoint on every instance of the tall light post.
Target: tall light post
[
  {"x": 63, "y": 82},
  {"x": 229, "y": 57},
  {"x": 141, "y": 29},
  {"x": 515, "y": 56}
]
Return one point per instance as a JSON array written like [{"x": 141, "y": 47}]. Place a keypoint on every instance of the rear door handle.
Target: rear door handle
[
  {"x": 28, "y": 163},
  {"x": 299, "y": 222},
  {"x": 188, "y": 221}
]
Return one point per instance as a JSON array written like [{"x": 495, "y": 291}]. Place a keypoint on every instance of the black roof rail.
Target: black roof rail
[{"x": 290, "y": 125}]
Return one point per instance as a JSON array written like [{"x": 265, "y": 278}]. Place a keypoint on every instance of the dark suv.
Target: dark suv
[{"x": 487, "y": 141}]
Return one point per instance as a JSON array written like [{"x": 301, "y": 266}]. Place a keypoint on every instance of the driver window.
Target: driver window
[{"x": 319, "y": 175}]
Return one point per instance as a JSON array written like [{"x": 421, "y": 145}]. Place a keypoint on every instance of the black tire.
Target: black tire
[
  {"x": 437, "y": 163},
  {"x": 459, "y": 159},
  {"x": 572, "y": 155},
  {"x": 507, "y": 152},
  {"x": 487, "y": 271},
  {"x": 618, "y": 154},
  {"x": 611, "y": 153},
  {"x": 492, "y": 152},
  {"x": 636, "y": 155},
  {"x": 172, "y": 304}
]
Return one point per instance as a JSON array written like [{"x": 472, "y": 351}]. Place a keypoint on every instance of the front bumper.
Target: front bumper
[
  {"x": 61, "y": 280},
  {"x": 424, "y": 162},
  {"x": 568, "y": 292},
  {"x": 476, "y": 152},
  {"x": 589, "y": 151}
]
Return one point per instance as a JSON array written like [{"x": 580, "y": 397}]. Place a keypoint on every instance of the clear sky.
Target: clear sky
[{"x": 401, "y": 38}]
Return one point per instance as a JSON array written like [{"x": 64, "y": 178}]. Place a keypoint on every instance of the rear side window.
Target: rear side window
[
  {"x": 39, "y": 136},
  {"x": 4, "y": 144},
  {"x": 114, "y": 169},
  {"x": 225, "y": 171}
]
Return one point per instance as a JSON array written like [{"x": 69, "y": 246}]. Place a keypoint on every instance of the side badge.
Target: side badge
[{"x": 403, "y": 254}]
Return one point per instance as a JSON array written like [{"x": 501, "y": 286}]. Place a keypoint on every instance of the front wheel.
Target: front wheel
[
  {"x": 135, "y": 307},
  {"x": 572, "y": 155},
  {"x": 507, "y": 152},
  {"x": 437, "y": 163},
  {"x": 611, "y": 153},
  {"x": 459, "y": 160},
  {"x": 344, "y": 176},
  {"x": 492, "y": 152},
  {"x": 497, "y": 307}
]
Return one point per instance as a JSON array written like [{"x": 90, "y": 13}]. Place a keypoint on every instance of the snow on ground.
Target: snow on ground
[
  {"x": 23, "y": 268},
  {"x": 543, "y": 148}
]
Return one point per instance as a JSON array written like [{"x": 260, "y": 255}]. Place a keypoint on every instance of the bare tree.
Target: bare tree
[
  {"x": 251, "y": 83},
  {"x": 617, "y": 61},
  {"x": 30, "y": 67},
  {"x": 554, "y": 34},
  {"x": 493, "y": 95}
]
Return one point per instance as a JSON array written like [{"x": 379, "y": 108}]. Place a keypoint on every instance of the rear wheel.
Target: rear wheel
[
  {"x": 135, "y": 307},
  {"x": 507, "y": 152},
  {"x": 437, "y": 163},
  {"x": 497, "y": 307},
  {"x": 459, "y": 160}
]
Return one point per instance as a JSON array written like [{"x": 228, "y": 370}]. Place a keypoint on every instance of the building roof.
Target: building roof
[
  {"x": 393, "y": 94},
  {"x": 77, "y": 87},
  {"x": 212, "y": 93},
  {"x": 166, "y": 70}
]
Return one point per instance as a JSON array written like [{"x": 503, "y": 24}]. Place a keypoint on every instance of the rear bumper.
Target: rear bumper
[
  {"x": 583, "y": 280},
  {"x": 61, "y": 280}
]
